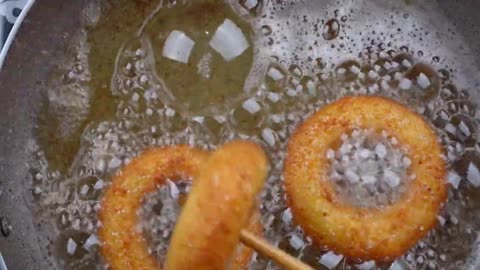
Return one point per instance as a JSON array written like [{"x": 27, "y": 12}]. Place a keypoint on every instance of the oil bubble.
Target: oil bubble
[
  {"x": 5, "y": 226},
  {"x": 266, "y": 30},
  {"x": 348, "y": 71},
  {"x": 331, "y": 29},
  {"x": 426, "y": 80},
  {"x": 248, "y": 116}
]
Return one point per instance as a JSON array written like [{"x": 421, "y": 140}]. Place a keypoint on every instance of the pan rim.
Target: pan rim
[{"x": 14, "y": 31}]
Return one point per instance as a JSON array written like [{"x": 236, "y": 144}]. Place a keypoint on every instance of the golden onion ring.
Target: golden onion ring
[
  {"x": 218, "y": 207},
  {"x": 123, "y": 246},
  {"x": 380, "y": 234}
]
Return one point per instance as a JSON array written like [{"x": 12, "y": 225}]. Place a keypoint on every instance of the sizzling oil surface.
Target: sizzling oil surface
[
  {"x": 118, "y": 92},
  {"x": 207, "y": 80}
]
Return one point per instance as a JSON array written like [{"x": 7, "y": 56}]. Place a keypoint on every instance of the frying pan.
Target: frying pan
[{"x": 48, "y": 33}]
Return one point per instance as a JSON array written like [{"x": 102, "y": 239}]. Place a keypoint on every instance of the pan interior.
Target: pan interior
[{"x": 141, "y": 74}]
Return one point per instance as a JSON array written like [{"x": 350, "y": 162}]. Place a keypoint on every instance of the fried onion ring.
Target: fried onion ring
[
  {"x": 380, "y": 234},
  {"x": 123, "y": 245},
  {"x": 218, "y": 208}
]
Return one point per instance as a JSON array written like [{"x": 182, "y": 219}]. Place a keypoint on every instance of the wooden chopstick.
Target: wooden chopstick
[{"x": 279, "y": 256}]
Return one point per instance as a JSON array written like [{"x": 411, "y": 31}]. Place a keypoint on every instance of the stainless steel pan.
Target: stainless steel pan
[{"x": 54, "y": 31}]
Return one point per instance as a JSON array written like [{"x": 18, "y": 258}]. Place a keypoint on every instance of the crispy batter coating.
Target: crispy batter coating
[
  {"x": 218, "y": 208},
  {"x": 123, "y": 245},
  {"x": 380, "y": 234}
]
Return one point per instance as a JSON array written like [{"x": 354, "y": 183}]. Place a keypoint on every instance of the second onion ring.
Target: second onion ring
[{"x": 379, "y": 234}]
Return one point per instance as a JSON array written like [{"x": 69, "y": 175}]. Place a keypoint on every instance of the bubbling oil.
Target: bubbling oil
[
  {"x": 287, "y": 62},
  {"x": 369, "y": 169},
  {"x": 159, "y": 214}
]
